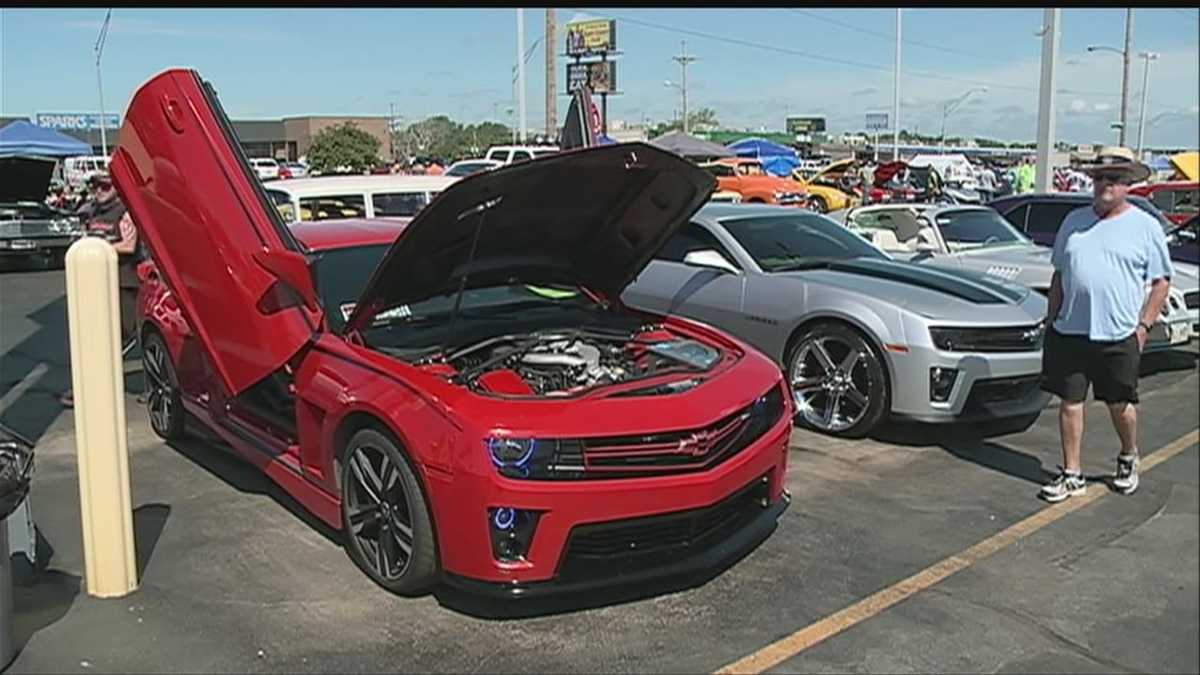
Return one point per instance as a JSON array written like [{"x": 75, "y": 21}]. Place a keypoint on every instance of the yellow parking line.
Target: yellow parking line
[{"x": 784, "y": 649}]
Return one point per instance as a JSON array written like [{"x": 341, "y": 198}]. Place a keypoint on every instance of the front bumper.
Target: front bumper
[
  {"x": 689, "y": 563},
  {"x": 571, "y": 508},
  {"x": 993, "y": 385},
  {"x": 30, "y": 245}
]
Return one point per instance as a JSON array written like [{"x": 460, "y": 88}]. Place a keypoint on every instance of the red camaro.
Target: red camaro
[{"x": 464, "y": 395}]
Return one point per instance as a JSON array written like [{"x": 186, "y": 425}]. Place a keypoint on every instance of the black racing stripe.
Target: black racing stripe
[{"x": 951, "y": 283}]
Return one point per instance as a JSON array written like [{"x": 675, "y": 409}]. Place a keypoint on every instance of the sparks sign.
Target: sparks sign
[{"x": 76, "y": 121}]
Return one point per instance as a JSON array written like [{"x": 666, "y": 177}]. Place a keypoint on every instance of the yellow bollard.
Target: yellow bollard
[{"x": 99, "y": 383}]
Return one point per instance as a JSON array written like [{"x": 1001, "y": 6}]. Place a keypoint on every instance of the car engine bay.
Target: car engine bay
[{"x": 569, "y": 362}]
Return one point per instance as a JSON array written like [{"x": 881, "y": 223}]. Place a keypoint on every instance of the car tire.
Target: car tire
[
  {"x": 824, "y": 379},
  {"x": 818, "y": 204},
  {"x": 164, "y": 401},
  {"x": 381, "y": 500}
]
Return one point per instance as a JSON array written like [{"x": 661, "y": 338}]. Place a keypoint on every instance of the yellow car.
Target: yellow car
[{"x": 822, "y": 187}]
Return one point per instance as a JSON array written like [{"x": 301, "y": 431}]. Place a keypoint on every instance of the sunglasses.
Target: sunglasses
[{"x": 1115, "y": 180}]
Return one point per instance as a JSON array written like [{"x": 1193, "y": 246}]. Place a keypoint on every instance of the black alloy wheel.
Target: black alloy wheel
[
  {"x": 817, "y": 203},
  {"x": 838, "y": 382},
  {"x": 388, "y": 531},
  {"x": 164, "y": 403}
]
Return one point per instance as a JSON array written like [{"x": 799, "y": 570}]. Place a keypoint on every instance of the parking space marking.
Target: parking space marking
[
  {"x": 792, "y": 645},
  {"x": 13, "y": 395}
]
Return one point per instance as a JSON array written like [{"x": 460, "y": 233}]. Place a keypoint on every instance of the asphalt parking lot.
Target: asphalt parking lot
[{"x": 235, "y": 577}]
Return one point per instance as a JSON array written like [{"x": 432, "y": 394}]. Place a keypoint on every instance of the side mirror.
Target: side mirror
[
  {"x": 291, "y": 268},
  {"x": 710, "y": 259}
]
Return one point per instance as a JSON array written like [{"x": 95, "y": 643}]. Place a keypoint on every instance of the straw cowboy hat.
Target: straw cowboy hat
[{"x": 1112, "y": 159}]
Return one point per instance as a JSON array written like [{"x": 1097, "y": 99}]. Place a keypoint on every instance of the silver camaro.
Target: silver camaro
[
  {"x": 859, "y": 335},
  {"x": 976, "y": 238}
]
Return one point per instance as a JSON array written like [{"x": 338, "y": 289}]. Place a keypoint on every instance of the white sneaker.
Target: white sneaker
[
  {"x": 1126, "y": 478},
  {"x": 1063, "y": 486}
]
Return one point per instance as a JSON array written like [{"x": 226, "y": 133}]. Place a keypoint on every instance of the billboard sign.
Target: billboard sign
[
  {"x": 806, "y": 124},
  {"x": 877, "y": 121},
  {"x": 76, "y": 121},
  {"x": 591, "y": 37},
  {"x": 599, "y": 76}
]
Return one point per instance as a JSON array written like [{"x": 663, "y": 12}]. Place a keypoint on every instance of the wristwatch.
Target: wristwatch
[{"x": 1143, "y": 324}]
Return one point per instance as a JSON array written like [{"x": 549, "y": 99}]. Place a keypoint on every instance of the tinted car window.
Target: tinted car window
[
  {"x": 340, "y": 277},
  {"x": 691, "y": 237},
  {"x": 780, "y": 241},
  {"x": 719, "y": 170},
  {"x": 519, "y": 155},
  {"x": 1046, "y": 217},
  {"x": 1017, "y": 216},
  {"x": 969, "y": 229},
  {"x": 329, "y": 208},
  {"x": 397, "y": 204},
  {"x": 1187, "y": 201}
]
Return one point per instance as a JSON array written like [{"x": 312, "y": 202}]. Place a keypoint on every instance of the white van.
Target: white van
[
  {"x": 331, "y": 197},
  {"x": 77, "y": 170}
]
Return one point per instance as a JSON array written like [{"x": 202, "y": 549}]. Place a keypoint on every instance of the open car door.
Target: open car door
[{"x": 210, "y": 228}]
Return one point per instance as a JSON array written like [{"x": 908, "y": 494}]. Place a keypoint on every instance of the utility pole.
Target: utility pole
[
  {"x": 99, "y": 48},
  {"x": 521, "y": 72},
  {"x": 1149, "y": 56},
  {"x": 896, "y": 97},
  {"x": 1045, "y": 145},
  {"x": 1125, "y": 76},
  {"x": 550, "y": 43},
  {"x": 683, "y": 60}
]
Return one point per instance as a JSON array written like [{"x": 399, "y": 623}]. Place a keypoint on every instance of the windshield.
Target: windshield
[
  {"x": 342, "y": 274},
  {"x": 965, "y": 230},
  {"x": 750, "y": 169},
  {"x": 791, "y": 241}
]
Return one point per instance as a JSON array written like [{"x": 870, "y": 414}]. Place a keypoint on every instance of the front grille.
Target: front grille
[
  {"x": 621, "y": 546},
  {"x": 991, "y": 339},
  {"x": 1000, "y": 389},
  {"x": 1191, "y": 299},
  {"x": 691, "y": 450}
]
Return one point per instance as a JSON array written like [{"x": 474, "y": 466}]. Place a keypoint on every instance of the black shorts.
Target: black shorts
[{"x": 1071, "y": 362}]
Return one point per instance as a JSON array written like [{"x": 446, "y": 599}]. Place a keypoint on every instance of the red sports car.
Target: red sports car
[{"x": 463, "y": 395}]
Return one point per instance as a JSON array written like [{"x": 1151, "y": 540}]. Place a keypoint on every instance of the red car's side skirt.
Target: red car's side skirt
[{"x": 277, "y": 464}]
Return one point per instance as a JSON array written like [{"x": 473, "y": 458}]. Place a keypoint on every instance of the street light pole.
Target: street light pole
[
  {"x": 1125, "y": 75},
  {"x": 1149, "y": 56},
  {"x": 1045, "y": 145},
  {"x": 99, "y": 48},
  {"x": 521, "y": 70},
  {"x": 951, "y": 107},
  {"x": 896, "y": 97}
]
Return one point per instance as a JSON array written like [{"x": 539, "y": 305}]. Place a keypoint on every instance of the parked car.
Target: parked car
[
  {"x": 859, "y": 336},
  {"x": 824, "y": 190},
  {"x": 748, "y": 178},
  {"x": 726, "y": 197},
  {"x": 1184, "y": 241},
  {"x": 335, "y": 197},
  {"x": 468, "y": 167},
  {"x": 296, "y": 169},
  {"x": 265, "y": 167},
  {"x": 1040, "y": 214},
  {"x": 979, "y": 239},
  {"x": 29, "y": 228},
  {"x": 536, "y": 438},
  {"x": 1177, "y": 200},
  {"x": 507, "y": 154}
]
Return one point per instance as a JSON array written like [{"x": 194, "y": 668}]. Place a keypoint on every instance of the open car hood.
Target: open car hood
[
  {"x": 25, "y": 179},
  {"x": 591, "y": 217}
]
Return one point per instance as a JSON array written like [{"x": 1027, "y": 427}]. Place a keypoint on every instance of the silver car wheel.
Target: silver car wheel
[{"x": 830, "y": 383}]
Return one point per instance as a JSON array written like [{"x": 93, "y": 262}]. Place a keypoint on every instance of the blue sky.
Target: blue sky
[{"x": 755, "y": 65}]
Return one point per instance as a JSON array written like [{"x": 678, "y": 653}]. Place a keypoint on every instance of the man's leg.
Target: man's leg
[
  {"x": 1070, "y": 430},
  {"x": 1124, "y": 419}
]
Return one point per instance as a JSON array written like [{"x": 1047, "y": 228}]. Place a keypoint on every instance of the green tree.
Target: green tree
[
  {"x": 345, "y": 145},
  {"x": 704, "y": 119}
]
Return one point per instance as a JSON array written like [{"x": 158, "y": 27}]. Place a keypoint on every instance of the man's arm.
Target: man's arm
[
  {"x": 1152, "y": 308},
  {"x": 128, "y": 241},
  {"x": 1054, "y": 298}
]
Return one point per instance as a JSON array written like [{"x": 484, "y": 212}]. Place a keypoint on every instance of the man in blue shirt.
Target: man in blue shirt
[{"x": 1099, "y": 314}]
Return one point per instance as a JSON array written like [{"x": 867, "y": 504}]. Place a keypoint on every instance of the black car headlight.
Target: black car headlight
[
  {"x": 989, "y": 339},
  {"x": 536, "y": 458}
]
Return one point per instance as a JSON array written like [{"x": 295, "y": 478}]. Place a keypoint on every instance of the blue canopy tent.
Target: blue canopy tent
[
  {"x": 605, "y": 140},
  {"x": 777, "y": 159},
  {"x": 21, "y": 138},
  {"x": 1161, "y": 163}
]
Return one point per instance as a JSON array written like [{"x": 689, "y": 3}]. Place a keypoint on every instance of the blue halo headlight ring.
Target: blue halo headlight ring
[
  {"x": 510, "y": 451},
  {"x": 504, "y": 518}
]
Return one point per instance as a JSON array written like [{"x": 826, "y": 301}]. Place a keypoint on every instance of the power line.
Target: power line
[
  {"x": 844, "y": 62},
  {"x": 889, "y": 36}
]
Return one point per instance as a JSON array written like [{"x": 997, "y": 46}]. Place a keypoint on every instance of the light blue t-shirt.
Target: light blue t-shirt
[{"x": 1105, "y": 266}]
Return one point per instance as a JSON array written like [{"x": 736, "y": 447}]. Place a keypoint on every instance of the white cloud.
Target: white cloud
[{"x": 1103, "y": 107}]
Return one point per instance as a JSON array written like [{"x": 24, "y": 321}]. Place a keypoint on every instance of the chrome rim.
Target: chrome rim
[
  {"x": 160, "y": 397},
  {"x": 377, "y": 511},
  {"x": 831, "y": 383}
]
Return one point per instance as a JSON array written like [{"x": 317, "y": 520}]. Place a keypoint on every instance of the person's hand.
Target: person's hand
[
  {"x": 1142, "y": 334},
  {"x": 128, "y": 241}
]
